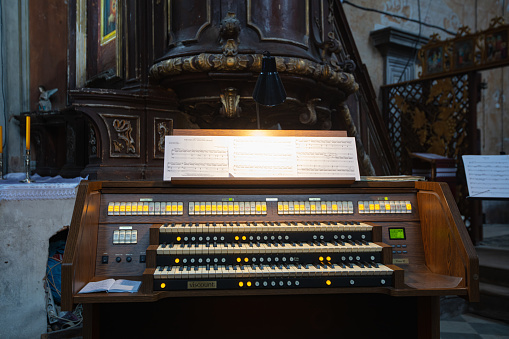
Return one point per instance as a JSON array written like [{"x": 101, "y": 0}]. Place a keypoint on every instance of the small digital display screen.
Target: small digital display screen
[{"x": 397, "y": 234}]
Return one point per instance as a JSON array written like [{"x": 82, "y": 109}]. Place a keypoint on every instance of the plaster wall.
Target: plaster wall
[{"x": 25, "y": 229}]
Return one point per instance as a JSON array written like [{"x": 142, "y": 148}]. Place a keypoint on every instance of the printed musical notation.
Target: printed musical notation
[
  {"x": 195, "y": 156},
  {"x": 223, "y": 156},
  {"x": 327, "y": 157},
  {"x": 487, "y": 175}
]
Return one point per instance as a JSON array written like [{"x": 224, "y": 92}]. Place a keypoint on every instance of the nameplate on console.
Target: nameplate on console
[{"x": 195, "y": 285}]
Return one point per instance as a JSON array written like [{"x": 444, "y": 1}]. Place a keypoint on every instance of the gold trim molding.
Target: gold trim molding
[{"x": 206, "y": 62}]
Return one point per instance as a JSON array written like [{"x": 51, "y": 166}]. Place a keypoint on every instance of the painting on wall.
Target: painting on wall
[
  {"x": 108, "y": 20},
  {"x": 434, "y": 60},
  {"x": 496, "y": 46},
  {"x": 464, "y": 53}
]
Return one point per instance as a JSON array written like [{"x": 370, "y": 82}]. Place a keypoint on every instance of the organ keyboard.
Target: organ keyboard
[{"x": 321, "y": 238}]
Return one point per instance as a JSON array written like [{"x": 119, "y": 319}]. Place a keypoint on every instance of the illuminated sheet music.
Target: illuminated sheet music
[
  {"x": 327, "y": 157},
  {"x": 263, "y": 157},
  {"x": 487, "y": 175},
  {"x": 195, "y": 156},
  {"x": 260, "y": 157}
]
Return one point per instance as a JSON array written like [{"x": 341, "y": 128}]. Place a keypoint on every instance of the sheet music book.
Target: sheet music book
[
  {"x": 111, "y": 285},
  {"x": 260, "y": 156},
  {"x": 487, "y": 175}
]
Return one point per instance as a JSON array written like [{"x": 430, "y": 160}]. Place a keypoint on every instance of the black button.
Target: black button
[
  {"x": 128, "y": 259},
  {"x": 143, "y": 258},
  {"x": 118, "y": 259},
  {"x": 104, "y": 259}
]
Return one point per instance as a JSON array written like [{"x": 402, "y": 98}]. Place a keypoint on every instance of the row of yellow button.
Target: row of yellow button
[
  {"x": 384, "y": 207},
  {"x": 315, "y": 207},
  {"x": 227, "y": 208},
  {"x": 145, "y": 208}
]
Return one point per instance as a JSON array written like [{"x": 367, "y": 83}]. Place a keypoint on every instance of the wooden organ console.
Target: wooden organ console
[{"x": 275, "y": 258}]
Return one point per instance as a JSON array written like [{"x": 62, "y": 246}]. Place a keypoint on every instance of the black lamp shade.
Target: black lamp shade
[{"x": 269, "y": 90}]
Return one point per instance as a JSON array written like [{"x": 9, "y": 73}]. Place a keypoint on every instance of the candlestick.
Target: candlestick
[
  {"x": 28, "y": 133},
  {"x": 27, "y": 179}
]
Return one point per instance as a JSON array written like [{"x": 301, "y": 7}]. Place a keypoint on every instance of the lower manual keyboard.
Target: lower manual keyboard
[{"x": 167, "y": 278}]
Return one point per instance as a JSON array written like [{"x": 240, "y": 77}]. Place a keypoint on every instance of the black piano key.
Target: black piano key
[
  {"x": 255, "y": 223},
  {"x": 271, "y": 223},
  {"x": 188, "y": 268},
  {"x": 208, "y": 267},
  {"x": 215, "y": 267},
  {"x": 160, "y": 269},
  {"x": 181, "y": 268},
  {"x": 265, "y": 223},
  {"x": 215, "y": 244}
]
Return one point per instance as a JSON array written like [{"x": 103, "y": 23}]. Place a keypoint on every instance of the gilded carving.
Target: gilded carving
[
  {"x": 162, "y": 128},
  {"x": 310, "y": 117},
  {"x": 230, "y": 100},
  {"x": 229, "y": 33},
  {"x": 252, "y": 63},
  {"x": 124, "y": 133}
]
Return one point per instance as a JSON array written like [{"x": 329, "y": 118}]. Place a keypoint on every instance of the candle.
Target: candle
[
  {"x": 28, "y": 133},
  {"x": 1, "y": 141}
]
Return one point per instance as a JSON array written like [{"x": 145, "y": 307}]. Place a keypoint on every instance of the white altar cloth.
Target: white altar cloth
[{"x": 43, "y": 188}]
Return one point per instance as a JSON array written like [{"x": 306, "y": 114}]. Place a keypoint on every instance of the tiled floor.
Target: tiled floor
[{"x": 471, "y": 326}]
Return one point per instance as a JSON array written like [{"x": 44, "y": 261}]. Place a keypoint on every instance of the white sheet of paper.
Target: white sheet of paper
[
  {"x": 327, "y": 157},
  {"x": 487, "y": 175},
  {"x": 195, "y": 156},
  {"x": 263, "y": 157}
]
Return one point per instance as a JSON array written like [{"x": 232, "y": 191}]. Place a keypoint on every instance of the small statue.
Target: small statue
[{"x": 44, "y": 102}]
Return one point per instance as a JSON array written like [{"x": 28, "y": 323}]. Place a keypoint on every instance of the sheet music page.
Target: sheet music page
[
  {"x": 195, "y": 156},
  {"x": 263, "y": 157},
  {"x": 487, "y": 175},
  {"x": 327, "y": 157}
]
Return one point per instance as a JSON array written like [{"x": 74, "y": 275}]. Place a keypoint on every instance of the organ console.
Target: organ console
[
  {"x": 301, "y": 258},
  {"x": 273, "y": 257}
]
